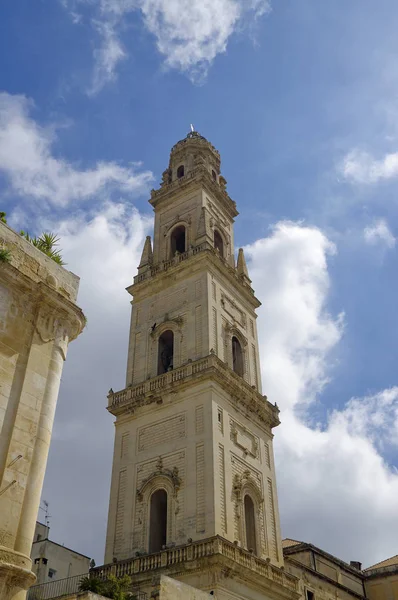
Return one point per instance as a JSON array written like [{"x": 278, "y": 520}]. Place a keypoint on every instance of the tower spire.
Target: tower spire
[{"x": 242, "y": 267}]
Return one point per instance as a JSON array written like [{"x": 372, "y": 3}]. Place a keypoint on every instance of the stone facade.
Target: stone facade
[
  {"x": 382, "y": 580},
  {"x": 38, "y": 319},
  {"x": 322, "y": 576},
  {"x": 192, "y": 421}
]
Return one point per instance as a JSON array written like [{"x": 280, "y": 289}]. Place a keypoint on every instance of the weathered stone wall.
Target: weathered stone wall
[
  {"x": 38, "y": 318},
  {"x": 171, "y": 589}
]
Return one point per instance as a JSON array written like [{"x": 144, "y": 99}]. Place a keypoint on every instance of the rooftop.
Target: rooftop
[{"x": 389, "y": 562}]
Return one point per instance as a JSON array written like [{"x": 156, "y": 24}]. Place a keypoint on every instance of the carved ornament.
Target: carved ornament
[{"x": 170, "y": 474}]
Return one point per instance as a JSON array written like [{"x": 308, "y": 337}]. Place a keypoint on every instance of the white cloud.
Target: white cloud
[
  {"x": 28, "y": 162},
  {"x": 107, "y": 56},
  {"x": 289, "y": 270},
  {"x": 335, "y": 489},
  {"x": 188, "y": 33},
  {"x": 361, "y": 167},
  {"x": 379, "y": 233}
]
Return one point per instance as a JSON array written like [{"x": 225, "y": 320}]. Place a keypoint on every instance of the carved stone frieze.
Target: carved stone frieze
[{"x": 244, "y": 439}]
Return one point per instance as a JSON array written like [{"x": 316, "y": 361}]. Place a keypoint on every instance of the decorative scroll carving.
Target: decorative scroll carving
[{"x": 170, "y": 474}]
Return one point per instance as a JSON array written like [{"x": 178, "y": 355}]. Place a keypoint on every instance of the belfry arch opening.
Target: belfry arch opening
[
  {"x": 177, "y": 240},
  {"x": 250, "y": 524},
  {"x": 218, "y": 243},
  {"x": 180, "y": 171},
  {"x": 237, "y": 356},
  {"x": 157, "y": 521},
  {"x": 165, "y": 352}
]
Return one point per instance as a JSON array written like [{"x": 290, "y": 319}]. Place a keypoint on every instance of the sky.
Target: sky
[{"x": 301, "y": 99}]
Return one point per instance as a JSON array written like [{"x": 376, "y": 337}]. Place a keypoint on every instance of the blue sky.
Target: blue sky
[{"x": 300, "y": 98}]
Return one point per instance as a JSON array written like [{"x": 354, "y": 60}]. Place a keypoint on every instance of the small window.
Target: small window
[
  {"x": 218, "y": 243},
  {"x": 214, "y": 175},
  {"x": 177, "y": 241},
  {"x": 310, "y": 595},
  {"x": 51, "y": 573},
  {"x": 220, "y": 420},
  {"x": 165, "y": 352},
  {"x": 45, "y": 561},
  {"x": 180, "y": 172},
  {"x": 37, "y": 560}
]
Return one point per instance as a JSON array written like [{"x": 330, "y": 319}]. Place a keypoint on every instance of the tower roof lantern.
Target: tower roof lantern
[{"x": 194, "y": 138}]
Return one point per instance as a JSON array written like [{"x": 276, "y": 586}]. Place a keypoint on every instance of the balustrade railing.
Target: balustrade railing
[
  {"x": 199, "y": 549},
  {"x": 161, "y": 381}
]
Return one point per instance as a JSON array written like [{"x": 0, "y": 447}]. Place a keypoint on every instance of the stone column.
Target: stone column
[{"x": 26, "y": 528}]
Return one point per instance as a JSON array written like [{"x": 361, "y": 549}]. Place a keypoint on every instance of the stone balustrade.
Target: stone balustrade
[
  {"x": 194, "y": 551},
  {"x": 148, "y": 391}
]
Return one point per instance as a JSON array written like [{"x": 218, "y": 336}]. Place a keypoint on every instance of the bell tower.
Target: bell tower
[{"x": 193, "y": 492}]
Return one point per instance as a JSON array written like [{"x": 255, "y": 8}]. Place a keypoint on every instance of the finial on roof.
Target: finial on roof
[{"x": 192, "y": 128}]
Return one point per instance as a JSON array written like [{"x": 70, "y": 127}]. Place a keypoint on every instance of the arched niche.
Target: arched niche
[
  {"x": 157, "y": 503},
  {"x": 165, "y": 352},
  {"x": 157, "y": 520},
  {"x": 180, "y": 171},
  {"x": 219, "y": 243},
  {"x": 178, "y": 240},
  {"x": 238, "y": 361},
  {"x": 249, "y": 512},
  {"x": 158, "y": 337},
  {"x": 250, "y": 523}
]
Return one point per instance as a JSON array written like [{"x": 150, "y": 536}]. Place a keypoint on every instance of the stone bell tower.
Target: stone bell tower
[{"x": 193, "y": 491}]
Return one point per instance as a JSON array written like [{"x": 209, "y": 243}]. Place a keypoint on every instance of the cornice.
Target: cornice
[
  {"x": 153, "y": 280},
  {"x": 132, "y": 400},
  {"x": 50, "y": 302}
]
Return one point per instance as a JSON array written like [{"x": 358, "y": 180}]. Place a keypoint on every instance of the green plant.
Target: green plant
[
  {"x": 3, "y": 217},
  {"x": 5, "y": 255},
  {"x": 116, "y": 588},
  {"x": 46, "y": 243},
  {"x": 91, "y": 584}
]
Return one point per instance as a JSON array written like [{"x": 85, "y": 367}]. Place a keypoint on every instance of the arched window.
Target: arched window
[
  {"x": 214, "y": 175},
  {"x": 177, "y": 240},
  {"x": 237, "y": 356},
  {"x": 250, "y": 524},
  {"x": 158, "y": 521},
  {"x": 165, "y": 352},
  {"x": 218, "y": 243},
  {"x": 180, "y": 172}
]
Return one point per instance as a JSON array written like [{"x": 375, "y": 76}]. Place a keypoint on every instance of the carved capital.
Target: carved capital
[{"x": 60, "y": 328}]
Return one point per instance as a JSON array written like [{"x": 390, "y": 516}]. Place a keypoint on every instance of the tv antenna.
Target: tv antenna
[{"x": 47, "y": 516}]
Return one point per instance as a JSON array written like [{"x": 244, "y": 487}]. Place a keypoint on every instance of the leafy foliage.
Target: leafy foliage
[
  {"x": 91, "y": 584},
  {"x": 47, "y": 243},
  {"x": 5, "y": 255},
  {"x": 3, "y": 217},
  {"x": 116, "y": 588}
]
